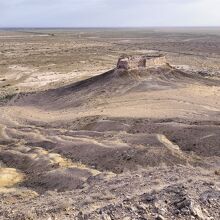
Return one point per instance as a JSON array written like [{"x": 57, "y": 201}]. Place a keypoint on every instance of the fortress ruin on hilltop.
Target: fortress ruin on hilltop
[{"x": 133, "y": 62}]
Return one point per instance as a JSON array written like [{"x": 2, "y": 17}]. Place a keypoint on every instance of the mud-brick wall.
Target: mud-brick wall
[{"x": 139, "y": 62}]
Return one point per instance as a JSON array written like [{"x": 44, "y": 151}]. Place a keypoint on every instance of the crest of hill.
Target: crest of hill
[
  {"x": 135, "y": 62},
  {"x": 132, "y": 74}
]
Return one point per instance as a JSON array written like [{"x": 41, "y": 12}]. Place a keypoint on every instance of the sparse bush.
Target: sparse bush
[{"x": 217, "y": 172}]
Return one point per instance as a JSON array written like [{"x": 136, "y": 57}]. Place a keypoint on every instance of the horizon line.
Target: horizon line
[{"x": 107, "y": 27}]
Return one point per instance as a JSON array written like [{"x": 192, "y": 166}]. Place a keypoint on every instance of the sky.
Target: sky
[{"x": 109, "y": 13}]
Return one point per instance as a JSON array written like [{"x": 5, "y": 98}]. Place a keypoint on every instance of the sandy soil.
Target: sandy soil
[{"x": 80, "y": 139}]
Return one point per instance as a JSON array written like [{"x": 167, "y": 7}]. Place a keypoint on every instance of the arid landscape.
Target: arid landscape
[{"x": 110, "y": 124}]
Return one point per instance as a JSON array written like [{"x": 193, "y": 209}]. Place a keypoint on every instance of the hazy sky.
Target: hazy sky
[{"x": 101, "y": 13}]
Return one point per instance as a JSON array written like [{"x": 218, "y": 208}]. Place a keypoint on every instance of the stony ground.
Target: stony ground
[{"x": 80, "y": 139}]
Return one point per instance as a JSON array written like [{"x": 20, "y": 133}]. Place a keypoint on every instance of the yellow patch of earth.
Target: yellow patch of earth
[{"x": 10, "y": 177}]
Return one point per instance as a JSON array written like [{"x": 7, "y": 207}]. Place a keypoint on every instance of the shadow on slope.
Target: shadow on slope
[{"x": 110, "y": 84}]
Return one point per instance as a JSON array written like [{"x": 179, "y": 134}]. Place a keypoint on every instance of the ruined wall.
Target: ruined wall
[
  {"x": 134, "y": 62},
  {"x": 157, "y": 61}
]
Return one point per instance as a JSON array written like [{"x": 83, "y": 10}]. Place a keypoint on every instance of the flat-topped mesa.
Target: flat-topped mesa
[{"x": 135, "y": 62}]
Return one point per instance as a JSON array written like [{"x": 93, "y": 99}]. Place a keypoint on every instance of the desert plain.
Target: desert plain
[{"x": 83, "y": 139}]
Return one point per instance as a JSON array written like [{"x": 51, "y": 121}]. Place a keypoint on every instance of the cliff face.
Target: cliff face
[{"x": 135, "y": 62}]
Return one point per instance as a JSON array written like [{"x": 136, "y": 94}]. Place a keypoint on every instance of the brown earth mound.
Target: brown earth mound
[{"x": 107, "y": 132}]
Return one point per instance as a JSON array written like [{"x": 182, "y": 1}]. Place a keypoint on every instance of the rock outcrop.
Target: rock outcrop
[{"x": 135, "y": 62}]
